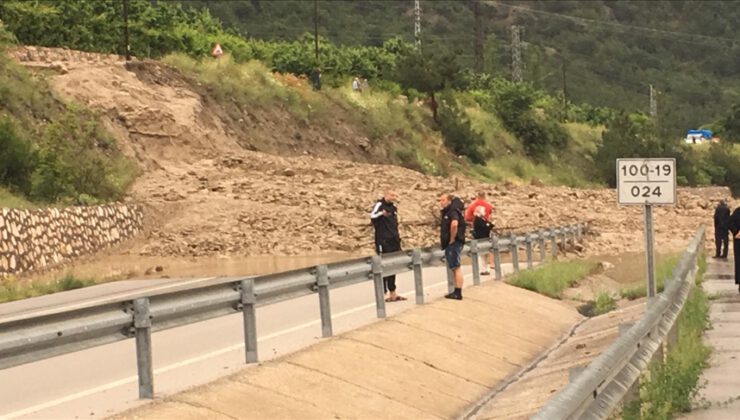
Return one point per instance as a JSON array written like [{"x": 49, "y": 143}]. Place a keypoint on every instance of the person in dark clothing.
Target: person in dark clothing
[
  {"x": 387, "y": 239},
  {"x": 722, "y": 230},
  {"x": 452, "y": 238},
  {"x": 482, "y": 230},
  {"x": 734, "y": 226}
]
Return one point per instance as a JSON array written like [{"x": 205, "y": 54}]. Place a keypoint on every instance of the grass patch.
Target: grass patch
[
  {"x": 551, "y": 279},
  {"x": 673, "y": 385},
  {"x": 13, "y": 201},
  {"x": 11, "y": 289},
  {"x": 604, "y": 303},
  {"x": 663, "y": 272}
]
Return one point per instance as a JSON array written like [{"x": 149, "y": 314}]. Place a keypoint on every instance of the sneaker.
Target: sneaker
[
  {"x": 485, "y": 273},
  {"x": 453, "y": 296}
]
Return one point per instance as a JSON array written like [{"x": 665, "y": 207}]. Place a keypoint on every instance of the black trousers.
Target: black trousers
[
  {"x": 389, "y": 282},
  {"x": 722, "y": 239}
]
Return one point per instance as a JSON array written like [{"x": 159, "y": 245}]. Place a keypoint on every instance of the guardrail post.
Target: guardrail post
[
  {"x": 625, "y": 326},
  {"x": 672, "y": 336},
  {"x": 475, "y": 262},
  {"x": 564, "y": 239},
  {"x": 543, "y": 251},
  {"x": 659, "y": 355},
  {"x": 530, "y": 259},
  {"x": 633, "y": 391},
  {"x": 579, "y": 230},
  {"x": 249, "y": 299},
  {"x": 554, "y": 243},
  {"x": 574, "y": 372},
  {"x": 377, "y": 268},
  {"x": 143, "y": 327},
  {"x": 514, "y": 247},
  {"x": 418, "y": 280},
  {"x": 574, "y": 232},
  {"x": 322, "y": 280},
  {"x": 497, "y": 257}
]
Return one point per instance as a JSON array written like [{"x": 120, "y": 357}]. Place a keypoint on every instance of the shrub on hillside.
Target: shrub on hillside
[
  {"x": 722, "y": 164},
  {"x": 77, "y": 162},
  {"x": 539, "y": 134},
  {"x": 458, "y": 133},
  {"x": 16, "y": 158}
]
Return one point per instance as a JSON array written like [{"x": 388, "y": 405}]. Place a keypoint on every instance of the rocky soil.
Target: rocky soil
[{"x": 207, "y": 195}]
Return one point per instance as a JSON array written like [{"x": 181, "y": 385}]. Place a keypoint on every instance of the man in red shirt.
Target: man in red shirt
[
  {"x": 480, "y": 201},
  {"x": 470, "y": 212}
]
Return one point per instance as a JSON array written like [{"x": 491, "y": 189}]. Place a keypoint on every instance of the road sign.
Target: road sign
[{"x": 646, "y": 181}]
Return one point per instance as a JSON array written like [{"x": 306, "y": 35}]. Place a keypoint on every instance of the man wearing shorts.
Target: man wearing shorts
[{"x": 452, "y": 238}]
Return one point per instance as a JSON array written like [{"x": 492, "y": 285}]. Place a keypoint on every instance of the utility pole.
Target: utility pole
[
  {"x": 126, "y": 45},
  {"x": 316, "y": 29},
  {"x": 516, "y": 53},
  {"x": 478, "y": 37},
  {"x": 565, "y": 85},
  {"x": 653, "y": 103},
  {"x": 417, "y": 24}
]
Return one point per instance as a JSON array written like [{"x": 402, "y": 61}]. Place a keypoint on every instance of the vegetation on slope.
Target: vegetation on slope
[
  {"x": 497, "y": 128},
  {"x": 610, "y": 51},
  {"x": 51, "y": 152},
  {"x": 671, "y": 386},
  {"x": 552, "y": 278}
]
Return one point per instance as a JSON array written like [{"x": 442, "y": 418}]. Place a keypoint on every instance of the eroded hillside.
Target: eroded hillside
[{"x": 216, "y": 183}]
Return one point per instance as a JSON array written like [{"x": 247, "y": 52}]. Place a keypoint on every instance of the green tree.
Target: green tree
[
  {"x": 515, "y": 105},
  {"x": 428, "y": 73},
  {"x": 457, "y": 131},
  {"x": 731, "y": 126}
]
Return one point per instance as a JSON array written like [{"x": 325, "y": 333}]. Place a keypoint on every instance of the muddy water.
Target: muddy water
[
  {"x": 119, "y": 267},
  {"x": 630, "y": 267}
]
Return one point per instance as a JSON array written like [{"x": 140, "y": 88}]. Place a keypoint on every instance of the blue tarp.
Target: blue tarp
[{"x": 707, "y": 134}]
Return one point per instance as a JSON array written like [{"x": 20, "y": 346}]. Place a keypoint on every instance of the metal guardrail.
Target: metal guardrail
[
  {"x": 599, "y": 389},
  {"x": 45, "y": 333}
]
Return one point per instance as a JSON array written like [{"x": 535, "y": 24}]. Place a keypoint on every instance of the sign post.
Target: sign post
[{"x": 647, "y": 182}]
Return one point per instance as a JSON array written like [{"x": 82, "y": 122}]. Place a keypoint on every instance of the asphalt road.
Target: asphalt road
[{"x": 101, "y": 381}]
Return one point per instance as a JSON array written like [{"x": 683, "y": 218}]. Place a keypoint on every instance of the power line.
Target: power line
[
  {"x": 417, "y": 24},
  {"x": 617, "y": 25},
  {"x": 516, "y": 53}
]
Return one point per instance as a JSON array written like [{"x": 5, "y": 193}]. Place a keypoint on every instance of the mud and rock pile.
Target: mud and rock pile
[{"x": 252, "y": 204}]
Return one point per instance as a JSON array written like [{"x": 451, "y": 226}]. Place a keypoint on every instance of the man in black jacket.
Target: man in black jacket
[
  {"x": 452, "y": 238},
  {"x": 387, "y": 239},
  {"x": 722, "y": 230}
]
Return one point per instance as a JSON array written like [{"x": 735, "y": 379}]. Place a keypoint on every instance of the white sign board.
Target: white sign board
[{"x": 646, "y": 181}]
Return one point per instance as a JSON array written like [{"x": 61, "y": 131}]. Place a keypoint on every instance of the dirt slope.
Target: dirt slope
[{"x": 209, "y": 194}]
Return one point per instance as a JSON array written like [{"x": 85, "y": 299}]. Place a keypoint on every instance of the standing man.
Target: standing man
[
  {"x": 452, "y": 238},
  {"x": 472, "y": 219},
  {"x": 479, "y": 202},
  {"x": 387, "y": 239},
  {"x": 734, "y": 225},
  {"x": 722, "y": 230}
]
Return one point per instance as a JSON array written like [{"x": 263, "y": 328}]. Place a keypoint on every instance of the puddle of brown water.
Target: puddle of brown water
[
  {"x": 630, "y": 267},
  {"x": 120, "y": 267}
]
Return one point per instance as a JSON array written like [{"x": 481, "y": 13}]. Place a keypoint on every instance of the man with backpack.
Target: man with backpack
[
  {"x": 452, "y": 239},
  {"x": 482, "y": 224},
  {"x": 384, "y": 218},
  {"x": 482, "y": 230}
]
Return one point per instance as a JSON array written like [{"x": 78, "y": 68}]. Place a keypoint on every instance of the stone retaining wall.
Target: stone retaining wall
[{"x": 35, "y": 239}]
